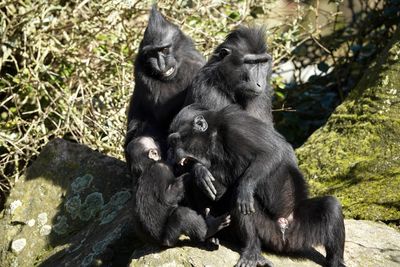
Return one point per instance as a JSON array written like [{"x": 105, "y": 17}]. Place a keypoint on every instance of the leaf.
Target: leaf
[
  {"x": 234, "y": 15},
  {"x": 280, "y": 95},
  {"x": 256, "y": 10}
]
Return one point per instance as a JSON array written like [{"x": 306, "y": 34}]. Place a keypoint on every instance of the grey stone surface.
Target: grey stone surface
[{"x": 368, "y": 244}]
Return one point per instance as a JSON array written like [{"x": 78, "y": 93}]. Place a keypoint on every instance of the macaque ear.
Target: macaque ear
[
  {"x": 223, "y": 52},
  {"x": 154, "y": 155},
  {"x": 200, "y": 124}
]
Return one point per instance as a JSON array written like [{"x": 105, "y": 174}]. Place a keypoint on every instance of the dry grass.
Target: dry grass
[{"x": 66, "y": 68}]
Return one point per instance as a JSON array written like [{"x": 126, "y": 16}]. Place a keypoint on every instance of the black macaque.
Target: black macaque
[
  {"x": 164, "y": 67},
  {"x": 237, "y": 73},
  {"x": 256, "y": 173},
  {"x": 159, "y": 218}
]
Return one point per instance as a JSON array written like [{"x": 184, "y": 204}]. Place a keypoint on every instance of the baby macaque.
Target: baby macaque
[{"x": 159, "y": 217}]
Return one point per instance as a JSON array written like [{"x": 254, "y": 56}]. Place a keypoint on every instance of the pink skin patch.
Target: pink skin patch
[{"x": 284, "y": 224}]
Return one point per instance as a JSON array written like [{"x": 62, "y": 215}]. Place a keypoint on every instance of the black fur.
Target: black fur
[
  {"x": 158, "y": 97},
  {"x": 258, "y": 181},
  {"x": 158, "y": 217}
]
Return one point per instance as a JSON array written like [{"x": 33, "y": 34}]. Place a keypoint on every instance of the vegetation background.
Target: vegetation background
[{"x": 66, "y": 67}]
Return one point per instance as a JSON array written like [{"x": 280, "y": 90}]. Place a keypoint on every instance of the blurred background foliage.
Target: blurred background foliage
[{"x": 66, "y": 67}]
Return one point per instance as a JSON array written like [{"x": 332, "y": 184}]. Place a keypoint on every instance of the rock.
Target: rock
[
  {"x": 356, "y": 155},
  {"x": 72, "y": 208},
  {"x": 367, "y": 244},
  {"x": 371, "y": 244},
  {"x": 69, "y": 209}
]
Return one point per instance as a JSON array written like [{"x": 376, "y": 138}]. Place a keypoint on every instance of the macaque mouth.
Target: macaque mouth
[
  {"x": 169, "y": 72},
  {"x": 189, "y": 160},
  {"x": 186, "y": 161},
  {"x": 184, "y": 165}
]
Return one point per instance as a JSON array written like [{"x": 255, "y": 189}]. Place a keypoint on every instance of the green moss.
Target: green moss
[{"x": 356, "y": 155}]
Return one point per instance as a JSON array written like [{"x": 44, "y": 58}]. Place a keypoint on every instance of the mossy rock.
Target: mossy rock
[
  {"x": 356, "y": 155},
  {"x": 69, "y": 208}
]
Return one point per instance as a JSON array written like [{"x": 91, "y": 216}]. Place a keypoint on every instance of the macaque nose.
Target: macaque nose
[{"x": 161, "y": 63}]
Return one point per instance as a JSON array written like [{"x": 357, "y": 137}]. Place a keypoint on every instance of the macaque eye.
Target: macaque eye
[
  {"x": 200, "y": 124},
  {"x": 223, "y": 52},
  {"x": 165, "y": 50}
]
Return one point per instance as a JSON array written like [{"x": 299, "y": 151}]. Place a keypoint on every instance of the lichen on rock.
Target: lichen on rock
[
  {"x": 81, "y": 183},
  {"x": 56, "y": 206},
  {"x": 42, "y": 218},
  {"x": 93, "y": 204},
  {"x": 116, "y": 203},
  {"x": 45, "y": 230},
  {"x": 73, "y": 206},
  {"x": 14, "y": 205},
  {"x": 61, "y": 226},
  {"x": 18, "y": 245}
]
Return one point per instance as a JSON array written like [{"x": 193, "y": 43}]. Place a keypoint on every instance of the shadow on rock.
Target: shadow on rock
[{"x": 71, "y": 208}]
